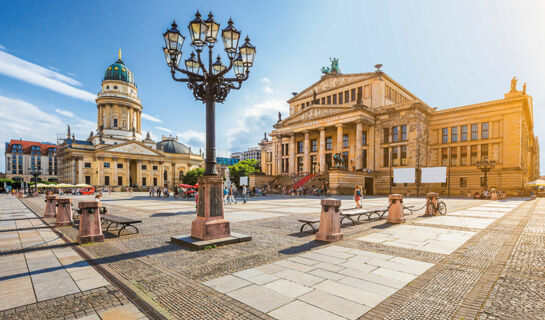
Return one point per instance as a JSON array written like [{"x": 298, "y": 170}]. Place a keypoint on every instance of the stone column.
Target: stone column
[
  {"x": 371, "y": 150},
  {"x": 74, "y": 175},
  {"x": 162, "y": 175},
  {"x": 127, "y": 173},
  {"x": 293, "y": 168},
  {"x": 306, "y": 156},
  {"x": 139, "y": 173},
  {"x": 322, "y": 150},
  {"x": 80, "y": 170},
  {"x": 150, "y": 174},
  {"x": 274, "y": 155},
  {"x": 339, "y": 137},
  {"x": 359, "y": 146},
  {"x": 114, "y": 172},
  {"x": 100, "y": 171}
]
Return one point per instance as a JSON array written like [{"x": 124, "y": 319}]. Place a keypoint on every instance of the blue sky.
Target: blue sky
[{"x": 53, "y": 55}]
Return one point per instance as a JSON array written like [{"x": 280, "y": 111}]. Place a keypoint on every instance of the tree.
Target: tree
[
  {"x": 243, "y": 168},
  {"x": 192, "y": 176}
]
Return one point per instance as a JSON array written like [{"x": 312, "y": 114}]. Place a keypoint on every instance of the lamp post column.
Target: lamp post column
[{"x": 210, "y": 158}]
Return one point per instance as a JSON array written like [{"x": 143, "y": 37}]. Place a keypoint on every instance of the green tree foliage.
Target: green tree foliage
[
  {"x": 193, "y": 175},
  {"x": 243, "y": 168}
]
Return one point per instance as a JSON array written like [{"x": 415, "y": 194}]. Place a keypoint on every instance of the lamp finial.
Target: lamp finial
[{"x": 120, "y": 54}]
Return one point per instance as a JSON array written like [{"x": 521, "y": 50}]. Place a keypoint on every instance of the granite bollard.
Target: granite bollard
[
  {"x": 330, "y": 221},
  {"x": 90, "y": 229},
  {"x": 64, "y": 212},
  {"x": 431, "y": 200},
  {"x": 395, "y": 210},
  {"x": 50, "y": 205}
]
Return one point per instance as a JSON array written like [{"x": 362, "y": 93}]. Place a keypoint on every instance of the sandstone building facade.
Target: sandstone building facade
[
  {"x": 378, "y": 125},
  {"x": 117, "y": 154}
]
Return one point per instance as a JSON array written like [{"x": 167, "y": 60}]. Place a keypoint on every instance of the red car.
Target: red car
[{"x": 88, "y": 190}]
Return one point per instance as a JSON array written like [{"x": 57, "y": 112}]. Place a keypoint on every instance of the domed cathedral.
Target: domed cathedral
[{"x": 116, "y": 154}]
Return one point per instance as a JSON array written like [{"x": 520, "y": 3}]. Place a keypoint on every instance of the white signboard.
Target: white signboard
[
  {"x": 244, "y": 181},
  {"x": 434, "y": 175},
  {"x": 404, "y": 175}
]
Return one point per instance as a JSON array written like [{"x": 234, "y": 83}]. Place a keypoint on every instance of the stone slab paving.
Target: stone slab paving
[
  {"x": 330, "y": 283},
  {"x": 37, "y": 266}
]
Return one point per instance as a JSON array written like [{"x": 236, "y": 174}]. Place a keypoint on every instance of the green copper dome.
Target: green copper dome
[{"x": 119, "y": 71}]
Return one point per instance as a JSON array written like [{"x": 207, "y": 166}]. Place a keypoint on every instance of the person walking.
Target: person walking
[
  {"x": 357, "y": 195},
  {"x": 244, "y": 190},
  {"x": 232, "y": 194},
  {"x": 225, "y": 195}
]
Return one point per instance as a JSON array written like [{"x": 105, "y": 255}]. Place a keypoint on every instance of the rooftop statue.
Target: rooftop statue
[
  {"x": 514, "y": 84},
  {"x": 334, "y": 67}
]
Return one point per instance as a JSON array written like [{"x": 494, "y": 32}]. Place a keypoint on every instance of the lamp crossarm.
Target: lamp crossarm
[
  {"x": 226, "y": 69},
  {"x": 238, "y": 79},
  {"x": 196, "y": 76},
  {"x": 204, "y": 70}
]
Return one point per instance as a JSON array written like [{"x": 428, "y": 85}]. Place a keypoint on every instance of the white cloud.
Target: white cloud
[
  {"x": 53, "y": 68},
  {"x": 2, "y": 47},
  {"x": 150, "y": 118},
  {"x": 164, "y": 129},
  {"x": 65, "y": 113},
  {"x": 266, "y": 81},
  {"x": 21, "y": 119},
  {"x": 193, "y": 138},
  {"x": 268, "y": 89}
]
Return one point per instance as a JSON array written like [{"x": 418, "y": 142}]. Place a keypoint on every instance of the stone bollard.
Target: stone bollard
[
  {"x": 395, "y": 210},
  {"x": 50, "y": 204},
  {"x": 330, "y": 221},
  {"x": 431, "y": 199},
  {"x": 90, "y": 229},
  {"x": 64, "y": 212}
]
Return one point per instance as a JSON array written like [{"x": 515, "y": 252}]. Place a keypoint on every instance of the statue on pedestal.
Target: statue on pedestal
[{"x": 514, "y": 84}]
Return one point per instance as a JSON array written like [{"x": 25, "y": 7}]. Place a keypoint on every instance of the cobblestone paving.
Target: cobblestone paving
[
  {"x": 519, "y": 292},
  {"x": 171, "y": 276}
]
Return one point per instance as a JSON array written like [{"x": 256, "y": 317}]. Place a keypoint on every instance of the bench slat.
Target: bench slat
[{"x": 119, "y": 219}]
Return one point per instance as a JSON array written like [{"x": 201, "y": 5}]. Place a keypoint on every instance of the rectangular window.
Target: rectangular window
[
  {"x": 341, "y": 98},
  {"x": 395, "y": 134},
  {"x": 120, "y": 181},
  {"x": 154, "y": 167},
  {"x": 444, "y": 157},
  {"x": 115, "y": 123},
  {"x": 144, "y": 167},
  {"x": 403, "y": 155},
  {"x": 463, "y": 182},
  {"x": 386, "y": 135},
  {"x": 463, "y": 156},
  {"x": 484, "y": 152},
  {"x": 473, "y": 155},
  {"x": 87, "y": 164},
  {"x": 144, "y": 181},
  {"x": 9, "y": 164},
  {"x": 474, "y": 131},
  {"x": 454, "y": 134},
  {"x": 300, "y": 147},
  {"x": 328, "y": 99},
  {"x": 463, "y": 136},
  {"x": 299, "y": 164},
  {"x": 119, "y": 166},
  {"x": 364, "y": 137},
  {"x": 313, "y": 145},
  {"x": 484, "y": 130},
  {"x": 345, "y": 141},
  {"x": 385, "y": 157},
  {"x": 444, "y": 138},
  {"x": 106, "y": 180},
  {"x": 323, "y": 100},
  {"x": 394, "y": 156},
  {"x": 106, "y": 164},
  {"x": 404, "y": 132},
  {"x": 335, "y": 99},
  {"x": 353, "y": 95},
  {"x": 154, "y": 182},
  {"x": 88, "y": 180},
  {"x": 346, "y": 96},
  {"x": 328, "y": 143},
  {"x": 454, "y": 156},
  {"x": 364, "y": 158}
]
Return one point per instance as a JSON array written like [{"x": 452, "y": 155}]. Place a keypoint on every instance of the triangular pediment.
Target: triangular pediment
[
  {"x": 313, "y": 112},
  {"x": 132, "y": 148},
  {"x": 329, "y": 82}
]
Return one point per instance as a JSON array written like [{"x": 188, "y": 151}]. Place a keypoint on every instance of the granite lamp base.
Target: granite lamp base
[
  {"x": 194, "y": 243},
  {"x": 210, "y": 229},
  {"x": 93, "y": 238}
]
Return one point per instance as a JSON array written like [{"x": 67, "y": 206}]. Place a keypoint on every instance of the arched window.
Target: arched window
[
  {"x": 181, "y": 175},
  {"x": 165, "y": 175}
]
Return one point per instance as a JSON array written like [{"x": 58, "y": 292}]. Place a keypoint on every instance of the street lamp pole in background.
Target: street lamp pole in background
[
  {"x": 485, "y": 166},
  {"x": 35, "y": 174},
  {"x": 209, "y": 84}
]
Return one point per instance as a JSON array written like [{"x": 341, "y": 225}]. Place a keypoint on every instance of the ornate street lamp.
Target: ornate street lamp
[
  {"x": 485, "y": 166},
  {"x": 209, "y": 83},
  {"x": 35, "y": 173}
]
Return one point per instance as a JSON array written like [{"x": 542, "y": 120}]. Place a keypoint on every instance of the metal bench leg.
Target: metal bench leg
[
  {"x": 108, "y": 227},
  {"x": 122, "y": 228}
]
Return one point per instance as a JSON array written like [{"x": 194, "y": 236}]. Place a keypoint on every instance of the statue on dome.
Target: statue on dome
[
  {"x": 68, "y": 133},
  {"x": 514, "y": 84}
]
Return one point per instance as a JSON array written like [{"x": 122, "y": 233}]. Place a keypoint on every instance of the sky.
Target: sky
[{"x": 53, "y": 55}]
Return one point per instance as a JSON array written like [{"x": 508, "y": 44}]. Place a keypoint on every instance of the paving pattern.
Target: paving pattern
[
  {"x": 429, "y": 268},
  {"x": 35, "y": 264}
]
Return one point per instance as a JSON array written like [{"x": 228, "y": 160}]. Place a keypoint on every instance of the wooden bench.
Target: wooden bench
[
  {"x": 350, "y": 214},
  {"x": 310, "y": 223},
  {"x": 119, "y": 220}
]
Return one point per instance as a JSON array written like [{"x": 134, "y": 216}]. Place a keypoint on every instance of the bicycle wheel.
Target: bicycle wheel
[{"x": 442, "y": 208}]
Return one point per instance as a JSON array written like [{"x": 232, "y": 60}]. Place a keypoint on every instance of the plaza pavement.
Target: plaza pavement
[{"x": 468, "y": 264}]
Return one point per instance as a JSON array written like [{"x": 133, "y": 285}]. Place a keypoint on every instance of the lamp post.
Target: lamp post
[
  {"x": 35, "y": 173},
  {"x": 208, "y": 81},
  {"x": 485, "y": 166}
]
